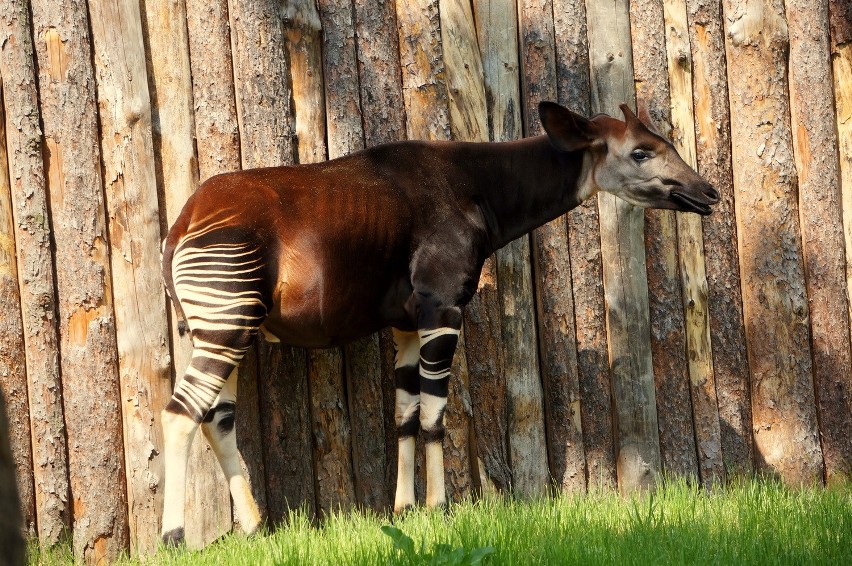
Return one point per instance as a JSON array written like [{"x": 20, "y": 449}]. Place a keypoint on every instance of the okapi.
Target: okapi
[{"x": 396, "y": 235}]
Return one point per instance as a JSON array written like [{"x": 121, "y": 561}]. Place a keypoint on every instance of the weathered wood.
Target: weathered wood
[
  {"x": 13, "y": 365},
  {"x": 668, "y": 336},
  {"x": 497, "y": 34},
  {"x": 11, "y": 519},
  {"x": 377, "y": 51},
  {"x": 574, "y": 91},
  {"x": 377, "y": 42},
  {"x": 705, "y": 408},
  {"x": 530, "y": 401},
  {"x": 251, "y": 428},
  {"x": 815, "y": 151},
  {"x": 332, "y": 447},
  {"x": 624, "y": 276},
  {"x": 362, "y": 358},
  {"x": 208, "y": 501},
  {"x": 134, "y": 235},
  {"x": 770, "y": 249},
  {"x": 91, "y": 394},
  {"x": 263, "y": 92},
  {"x": 35, "y": 271},
  {"x": 713, "y": 144}
]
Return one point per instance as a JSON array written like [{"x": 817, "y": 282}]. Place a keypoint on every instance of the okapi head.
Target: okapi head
[{"x": 629, "y": 160}]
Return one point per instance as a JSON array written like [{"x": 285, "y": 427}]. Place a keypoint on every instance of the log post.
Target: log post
[
  {"x": 469, "y": 122},
  {"x": 35, "y": 271},
  {"x": 87, "y": 323},
  {"x": 263, "y": 87},
  {"x": 668, "y": 339},
  {"x": 134, "y": 235},
  {"x": 624, "y": 274},
  {"x": 497, "y": 34},
  {"x": 705, "y": 408},
  {"x": 377, "y": 51},
  {"x": 815, "y": 149},
  {"x": 427, "y": 109},
  {"x": 713, "y": 144},
  {"x": 534, "y": 405},
  {"x": 770, "y": 248},
  {"x": 333, "y": 471},
  {"x": 208, "y": 502},
  {"x": 13, "y": 365},
  {"x": 584, "y": 245}
]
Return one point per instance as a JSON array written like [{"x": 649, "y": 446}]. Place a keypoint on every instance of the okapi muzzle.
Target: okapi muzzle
[{"x": 396, "y": 235}]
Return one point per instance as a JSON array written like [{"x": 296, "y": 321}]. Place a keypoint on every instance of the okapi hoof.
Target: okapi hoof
[
  {"x": 400, "y": 511},
  {"x": 174, "y": 537}
]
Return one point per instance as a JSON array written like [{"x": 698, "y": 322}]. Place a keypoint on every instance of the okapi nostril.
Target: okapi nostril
[{"x": 712, "y": 194}]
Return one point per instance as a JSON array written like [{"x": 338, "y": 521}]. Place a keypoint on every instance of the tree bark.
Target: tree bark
[
  {"x": 624, "y": 274},
  {"x": 377, "y": 51},
  {"x": 584, "y": 248},
  {"x": 35, "y": 271},
  {"x": 330, "y": 419},
  {"x": 705, "y": 408},
  {"x": 815, "y": 148},
  {"x": 497, "y": 33},
  {"x": 13, "y": 365},
  {"x": 91, "y": 392},
  {"x": 533, "y": 405},
  {"x": 173, "y": 122},
  {"x": 134, "y": 234},
  {"x": 725, "y": 309},
  {"x": 668, "y": 337},
  {"x": 770, "y": 249}
]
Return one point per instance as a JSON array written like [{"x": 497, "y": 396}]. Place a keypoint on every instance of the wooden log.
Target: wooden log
[
  {"x": 263, "y": 92},
  {"x": 668, "y": 336},
  {"x": 840, "y": 25},
  {"x": 624, "y": 275},
  {"x": 815, "y": 149},
  {"x": 332, "y": 444},
  {"x": 134, "y": 235},
  {"x": 535, "y": 405},
  {"x": 584, "y": 245},
  {"x": 35, "y": 271},
  {"x": 770, "y": 249},
  {"x": 713, "y": 144},
  {"x": 208, "y": 501},
  {"x": 11, "y": 519},
  {"x": 91, "y": 394},
  {"x": 705, "y": 408},
  {"x": 13, "y": 365},
  {"x": 377, "y": 51},
  {"x": 497, "y": 33}
]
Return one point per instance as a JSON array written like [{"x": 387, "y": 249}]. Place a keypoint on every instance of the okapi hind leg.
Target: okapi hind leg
[
  {"x": 407, "y": 414},
  {"x": 219, "y": 429}
]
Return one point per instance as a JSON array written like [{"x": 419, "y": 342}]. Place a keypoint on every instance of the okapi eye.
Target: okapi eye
[{"x": 638, "y": 155}]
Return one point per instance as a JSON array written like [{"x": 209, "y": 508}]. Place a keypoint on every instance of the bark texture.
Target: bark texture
[
  {"x": 87, "y": 324},
  {"x": 35, "y": 271},
  {"x": 13, "y": 365},
  {"x": 574, "y": 92},
  {"x": 770, "y": 249},
  {"x": 668, "y": 338},
  {"x": 815, "y": 150},
  {"x": 527, "y": 396},
  {"x": 624, "y": 276},
  {"x": 725, "y": 304},
  {"x": 497, "y": 34},
  {"x": 705, "y": 409}
]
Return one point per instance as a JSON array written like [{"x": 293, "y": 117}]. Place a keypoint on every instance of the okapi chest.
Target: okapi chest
[{"x": 319, "y": 255}]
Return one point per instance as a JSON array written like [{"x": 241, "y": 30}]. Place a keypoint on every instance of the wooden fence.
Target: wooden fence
[{"x": 611, "y": 346}]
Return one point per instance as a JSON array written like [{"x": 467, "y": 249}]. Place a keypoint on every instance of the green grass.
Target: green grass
[{"x": 752, "y": 522}]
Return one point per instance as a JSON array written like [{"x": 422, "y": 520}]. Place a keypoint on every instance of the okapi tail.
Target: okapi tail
[{"x": 168, "y": 250}]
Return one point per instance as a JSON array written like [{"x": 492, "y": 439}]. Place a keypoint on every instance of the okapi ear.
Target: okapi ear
[
  {"x": 567, "y": 131},
  {"x": 643, "y": 121}
]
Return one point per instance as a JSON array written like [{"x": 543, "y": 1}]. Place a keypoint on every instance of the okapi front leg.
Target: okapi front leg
[
  {"x": 437, "y": 346},
  {"x": 407, "y": 377}
]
